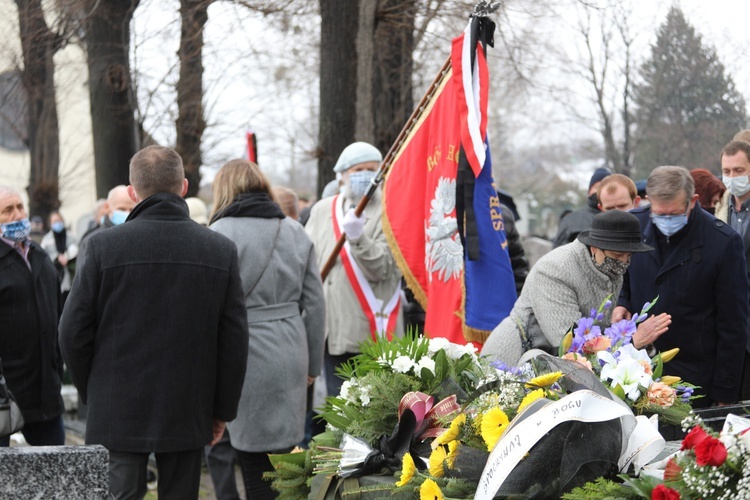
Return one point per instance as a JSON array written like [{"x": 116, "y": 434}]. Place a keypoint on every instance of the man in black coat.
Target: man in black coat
[
  {"x": 697, "y": 271},
  {"x": 580, "y": 220},
  {"x": 29, "y": 310},
  {"x": 155, "y": 334}
]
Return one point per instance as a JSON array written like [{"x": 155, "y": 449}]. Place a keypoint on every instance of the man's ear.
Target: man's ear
[
  {"x": 636, "y": 201},
  {"x": 184, "y": 187},
  {"x": 132, "y": 194},
  {"x": 599, "y": 206}
]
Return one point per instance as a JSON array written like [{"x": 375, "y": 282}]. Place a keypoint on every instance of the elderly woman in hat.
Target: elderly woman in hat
[{"x": 567, "y": 283}]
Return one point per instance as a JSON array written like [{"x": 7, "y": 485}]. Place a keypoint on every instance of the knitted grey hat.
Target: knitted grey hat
[{"x": 356, "y": 153}]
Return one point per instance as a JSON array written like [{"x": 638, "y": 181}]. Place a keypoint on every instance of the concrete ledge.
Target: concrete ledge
[{"x": 55, "y": 472}]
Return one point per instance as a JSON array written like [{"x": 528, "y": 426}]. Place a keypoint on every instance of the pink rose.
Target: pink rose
[
  {"x": 597, "y": 344},
  {"x": 582, "y": 360},
  {"x": 661, "y": 394}
]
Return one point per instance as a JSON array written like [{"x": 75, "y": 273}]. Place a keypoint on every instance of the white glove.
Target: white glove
[{"x": 353, "y": 226}]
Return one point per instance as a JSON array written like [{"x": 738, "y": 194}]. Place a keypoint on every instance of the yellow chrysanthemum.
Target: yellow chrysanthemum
[
  {"x": 452, "y": 433},
  {"x": 545, "y": 380},
  {"x": 430, "y": 491},
  {"x": 407, "y": 470},
  {"x": 494, "y": 423},
  {"x": 529, "y": 398},
  {"x": 437, "y": 457}
]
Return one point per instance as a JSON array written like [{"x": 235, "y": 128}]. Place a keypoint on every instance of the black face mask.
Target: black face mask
[{"x": 710, "y": 210}]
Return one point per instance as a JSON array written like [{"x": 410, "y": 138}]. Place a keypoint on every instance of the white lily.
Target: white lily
[{"x": 629, "y": 373}]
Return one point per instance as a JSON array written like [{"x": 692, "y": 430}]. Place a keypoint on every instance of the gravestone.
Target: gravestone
[{"x": 54, "y": 472}]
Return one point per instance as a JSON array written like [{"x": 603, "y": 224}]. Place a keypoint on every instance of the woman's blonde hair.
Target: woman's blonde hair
[{"x": 238, "y": 177}]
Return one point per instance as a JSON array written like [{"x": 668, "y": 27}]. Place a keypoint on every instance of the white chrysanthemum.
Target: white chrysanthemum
[
  {"x": 402, "y": 364},
  {"x": 425, "y": 362}
]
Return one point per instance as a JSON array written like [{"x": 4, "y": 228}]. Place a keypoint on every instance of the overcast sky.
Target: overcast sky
[{"x": 259, "y": 78}]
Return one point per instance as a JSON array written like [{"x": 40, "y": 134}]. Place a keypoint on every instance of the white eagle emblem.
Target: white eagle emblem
[{"x": 444, "y": 253}]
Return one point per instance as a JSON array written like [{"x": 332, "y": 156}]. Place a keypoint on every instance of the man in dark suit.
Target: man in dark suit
[
  {"x": 29, "y": 310},
  {"x": 155, "y": 334},
  {"x": 698, "y": 272}
]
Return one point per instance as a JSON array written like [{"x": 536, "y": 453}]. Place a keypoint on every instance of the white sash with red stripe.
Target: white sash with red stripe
[{"x": 382, "y": 319}]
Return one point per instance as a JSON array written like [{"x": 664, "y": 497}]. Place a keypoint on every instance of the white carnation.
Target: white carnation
[
  {"x": 436, "y": 344},
  {"x": 364, "y": 396},
  {"x": 346, "y": 388},
  {"x": 425, "y": 362},
  {"x": 402, "y": 364}
]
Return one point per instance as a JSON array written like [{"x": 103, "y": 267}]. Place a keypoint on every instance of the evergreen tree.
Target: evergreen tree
[{"x": 687, "y": 107}]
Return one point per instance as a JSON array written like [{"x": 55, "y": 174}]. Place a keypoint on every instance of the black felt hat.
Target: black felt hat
[{"x": 615, "y": 230}]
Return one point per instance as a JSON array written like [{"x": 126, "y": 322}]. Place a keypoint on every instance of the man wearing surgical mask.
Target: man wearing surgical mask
[
  {"x": 116, "y": 211},
  {"x": 698, "y": 273},
  {"x": 734, "y": 209},
  {"x": 364, "y": 269},
  {"x": 29, "y": 311}
]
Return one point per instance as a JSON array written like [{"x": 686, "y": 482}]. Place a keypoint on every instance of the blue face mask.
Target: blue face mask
[
  {"x": 670, "y": 224},
  {"x": 359, "y": 181},
  {"x": 58, "y": 227},
  {"x": 118, "y": 217},
  {"x": 17, "y": 230}
]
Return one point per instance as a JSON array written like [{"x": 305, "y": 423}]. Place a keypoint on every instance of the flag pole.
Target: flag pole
[{"x": 386, "y": 163}]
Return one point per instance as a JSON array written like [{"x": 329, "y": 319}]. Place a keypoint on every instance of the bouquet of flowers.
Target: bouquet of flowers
[
  {"x": 633, "y": 375},
  {"x": 377, "y": 379},
  {"x": 709, "y": 466}
]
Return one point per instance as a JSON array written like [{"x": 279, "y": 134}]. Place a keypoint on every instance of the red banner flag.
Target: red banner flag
[{"x": 450, "y": 244}]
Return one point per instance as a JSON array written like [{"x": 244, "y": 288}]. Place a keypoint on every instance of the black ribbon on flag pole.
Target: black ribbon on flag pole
[{"x": 482, "y": 31}]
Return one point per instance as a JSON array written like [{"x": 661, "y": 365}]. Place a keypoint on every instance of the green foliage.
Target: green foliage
[
  {"x": 687, "y": 106},
  {"x": 603, "y": 489},
  {"x": 288, "y": 479},
  {"x": 367, "y": 407},
  {"x": 380, "y": 415},
  {"x": 659, "y": 367}
]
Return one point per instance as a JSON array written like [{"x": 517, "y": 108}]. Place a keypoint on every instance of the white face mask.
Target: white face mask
[{"x": 738, "y": 186}]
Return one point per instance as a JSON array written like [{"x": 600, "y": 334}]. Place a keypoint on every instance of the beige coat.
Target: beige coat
[{"x": 346, "y": 323}]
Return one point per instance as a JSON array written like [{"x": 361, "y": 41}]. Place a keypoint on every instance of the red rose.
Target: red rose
[
  {"x": 711, "y": 452},
  {"x": 662, "y": 492},
  {"x": 694, "y": 437},
  {"x": 672, "y": 471}
]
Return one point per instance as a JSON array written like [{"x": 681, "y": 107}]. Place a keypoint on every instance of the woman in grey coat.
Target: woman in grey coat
[
  {"x": 565, "y": 284},
  {"x": 285, "y": 313}
]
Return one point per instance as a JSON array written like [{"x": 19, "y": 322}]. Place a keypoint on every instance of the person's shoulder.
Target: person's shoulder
[
  {"x": 715, "y": 225},
  {"x": 559, "y": 259},
  {"x": 320, "y": 217},
  {"x": 641, "y": 212}
]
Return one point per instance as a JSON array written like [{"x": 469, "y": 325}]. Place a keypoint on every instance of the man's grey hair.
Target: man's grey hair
[
  {"x": 666, "y": 183},
  {"x": 6, "y": 191}
]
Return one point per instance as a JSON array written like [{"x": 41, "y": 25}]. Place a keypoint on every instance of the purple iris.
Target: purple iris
[
  {"x": 513, "y": 370},
  {"x": 586, "y": 330},
  {"x": 592, "y": 313},
  {"x": 622, "y": 330},
  {"x": 684, "y": 392}
]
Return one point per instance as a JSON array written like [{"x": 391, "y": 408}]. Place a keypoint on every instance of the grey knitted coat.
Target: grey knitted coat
[
  {"x": 562, "y": 287},
  {"x": 286, "y": 320}
]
